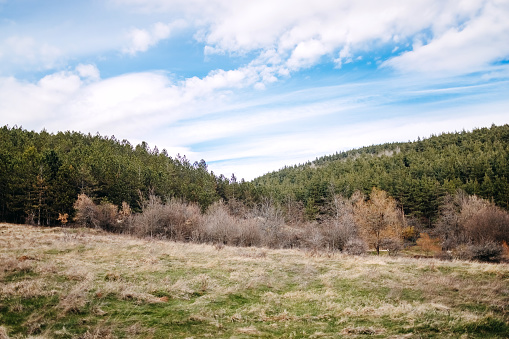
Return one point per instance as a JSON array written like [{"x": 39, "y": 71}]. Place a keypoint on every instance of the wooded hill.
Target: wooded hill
[
  {"x": 41, "y": 174},
  {"x": 417, "y": 174}
]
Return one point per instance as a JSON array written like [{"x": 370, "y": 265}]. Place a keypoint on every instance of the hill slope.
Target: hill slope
[{"x": 418, "y": 174}]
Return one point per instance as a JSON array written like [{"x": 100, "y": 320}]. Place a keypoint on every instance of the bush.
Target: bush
[
  {"x": 107, "y": 216},
  {"x": 220, "y": 227},
  {"x": 490, "y": 224},
  {"x": 174, "y": 220},
  {"x": 392, "y": 245},
  {"x": 487, "y": 252},
  {"x": 443, "y": 255},
  {"x": 86, "y": 213},
  {"x": 427, "y": 244},
  {"x": 462, "y": 252},
  {"x": 356, "y": 246}
]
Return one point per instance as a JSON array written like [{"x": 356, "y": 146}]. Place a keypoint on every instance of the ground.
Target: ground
[{"x": 84, "y": 283}]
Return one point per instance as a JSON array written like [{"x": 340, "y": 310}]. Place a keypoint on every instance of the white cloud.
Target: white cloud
[
  {"x": 272, "y": 40},
  {"x": 463, "y": 35},
  {"x": 88, "y": 72},
  {"x": 471, "y": 47},
  {"x": 140, "y": 40}
]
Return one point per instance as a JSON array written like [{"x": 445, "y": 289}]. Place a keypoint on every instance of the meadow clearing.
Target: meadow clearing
[{"x": 86, "y": 283}]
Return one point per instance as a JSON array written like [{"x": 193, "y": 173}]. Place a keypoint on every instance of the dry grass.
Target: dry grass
[{"x": 84, "y": 283}]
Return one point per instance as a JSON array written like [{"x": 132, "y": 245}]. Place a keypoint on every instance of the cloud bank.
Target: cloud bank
[{"x": 391, "y": 70}]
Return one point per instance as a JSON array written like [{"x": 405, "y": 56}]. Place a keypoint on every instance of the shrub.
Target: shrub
[
  {"x": 106, "y": 215},
  {"x": 174, "y": 220},
  {"x": 428, "y": 244},
  {"x": 409, "y": 234},
  {"x": 443, "y": 255},
  {"x": 270, "y": 221},
  {"x": 219, "y": 226},
  {"x": 249, "y": 233},
  {"x": 469, "y": 219},
  {"x": 392, "y": 245},
  {"x": 356, "y": 246},
  {"x": 489, "y": 224},
  {"x": 487, "y": 252},
  {"x": 340, "y": 226},
  {"x": 462, "y": 252},
  {"x": 86, "y": 214}
]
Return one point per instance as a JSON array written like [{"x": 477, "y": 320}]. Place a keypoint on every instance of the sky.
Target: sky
[{"x": 253, "y": 86}]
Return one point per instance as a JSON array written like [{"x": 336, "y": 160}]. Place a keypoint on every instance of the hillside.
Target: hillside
[
  {"x": 41, "y": 174},
  {"x": 418, "y": 174},
  {"x": 85, "y": 283}
]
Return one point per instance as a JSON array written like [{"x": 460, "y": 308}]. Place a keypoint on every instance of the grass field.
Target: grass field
[{"x": 83, "y": 283}]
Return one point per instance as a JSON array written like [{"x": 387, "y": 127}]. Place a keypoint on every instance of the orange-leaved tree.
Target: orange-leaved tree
[{"x": 379, "y": 218}]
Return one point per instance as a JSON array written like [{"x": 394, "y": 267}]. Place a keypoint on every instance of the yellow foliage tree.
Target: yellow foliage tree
[
  {"x": 427, "y": 244},
  {"x": 378, "y": 218}
]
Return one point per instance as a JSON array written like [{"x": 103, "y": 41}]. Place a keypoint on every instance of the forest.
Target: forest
[{"x": 445, "y": 191}]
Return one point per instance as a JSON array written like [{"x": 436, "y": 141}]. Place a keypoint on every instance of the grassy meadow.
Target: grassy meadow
[{"x": 84, "y": 283}]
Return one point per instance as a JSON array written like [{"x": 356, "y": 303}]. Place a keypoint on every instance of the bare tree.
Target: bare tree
[{"x": 340, "y": 227}]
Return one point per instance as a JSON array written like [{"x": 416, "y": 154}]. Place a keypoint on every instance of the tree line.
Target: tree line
[
  {"x": 449, "y": 191},
  {"x": 41, "y": 174},
  {"x": 419, "y": 174}
]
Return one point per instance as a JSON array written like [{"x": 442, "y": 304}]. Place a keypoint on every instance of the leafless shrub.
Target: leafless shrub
[
  {"x": 151, "y": 221},
  {"x": 392, "y": 245},
  {"x": 489, "y": 224},
  {"x": 468, "y": 219},
  {"x": 237, "y": 208},
  {"x": 86, "y": 215},
  {"x": 249, "y": 233},
  {"x": 337, "y": 234},
  {"x": 487, "y": 252},
  {"x": 106, "y": 216},
  {"x": 313, "y": 238},
  {"x": 462, "y": 252},
  {"x": 219, "y": 226},
  {"x": 291, "y": 237},
  {"x": 174, "y": 220},
  {"x": 271, "y": 221},
  {"x": 294, "y": 212},
  {"x": 443, "y": 255},
  {"x": 340, "y": 226},
  {"x": 356, "y": 246}
]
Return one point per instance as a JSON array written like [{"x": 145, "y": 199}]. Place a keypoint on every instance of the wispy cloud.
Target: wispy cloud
[{"x": 279, "y": 83}]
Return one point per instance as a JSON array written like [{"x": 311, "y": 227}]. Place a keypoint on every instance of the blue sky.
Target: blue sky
[{"x": 252, "y": 86}]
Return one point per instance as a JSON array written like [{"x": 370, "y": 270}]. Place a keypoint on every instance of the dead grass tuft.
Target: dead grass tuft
[
  {"x": 3, "y": 333},
  {"x": 100, "y": 331},
  {"x": 251, "y": 330},
  {"x": 76, "y": 300},
  {"x": 362, "y": 330},
  {"x": 24, "y": 289}
]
